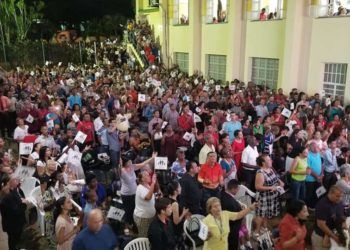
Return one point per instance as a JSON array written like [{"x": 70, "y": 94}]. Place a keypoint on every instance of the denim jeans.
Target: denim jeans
[
  {"x": 207, "y": 193},
  {"x": 115, "y": 157},
  {"x": 298, "y": 190}
]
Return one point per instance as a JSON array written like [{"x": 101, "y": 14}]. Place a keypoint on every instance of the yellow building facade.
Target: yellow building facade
[{"x": 302, "y": 44}]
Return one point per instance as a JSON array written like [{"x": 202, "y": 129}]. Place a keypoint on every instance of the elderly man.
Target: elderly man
[
  {"x": 207, "y": 148},
  {"x": 328, "y": 209},
  {"x": 343, "y": 183},
  {"x": 96, "y": 235}
]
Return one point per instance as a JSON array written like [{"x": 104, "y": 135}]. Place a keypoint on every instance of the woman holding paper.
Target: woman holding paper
[
  {"x": 144, "y": 203},
  {"x": 65, "y": 229},
  {"x": 217, "y": 222},
  {"x": 128, "y": 187}
]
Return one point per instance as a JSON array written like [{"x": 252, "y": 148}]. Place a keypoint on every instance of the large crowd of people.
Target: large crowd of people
[{"x": 251, "y": 162}]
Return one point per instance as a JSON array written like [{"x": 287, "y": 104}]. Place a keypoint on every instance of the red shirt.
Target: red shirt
[
  {"x": 185, "y": 122},
  {"x": 87, "y": 128},
  {"x": 211, "y": 174},
  {"x": 288, "y": 228}
]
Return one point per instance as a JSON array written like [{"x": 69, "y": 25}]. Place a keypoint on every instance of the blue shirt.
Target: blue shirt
[
  {"x": 230, "y": 128},
  {"x": 113, "y": 140},
  {"x": 178, "y": 169},
  {"x": 104, "y": 239},
  {"x": 330, "y": 161},
  {"x": 315, "y": 163},
  {"x": 100, "y": 191},
  {"x": 74, "y": 99}
]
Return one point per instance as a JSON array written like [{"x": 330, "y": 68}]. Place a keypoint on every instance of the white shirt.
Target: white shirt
[
  {"x": 202, "y": 158},
  {"x": 144, "y": 208},
  {"x": 46, "y": 141},
  {"x": 249, "y": 155},
  {"x": 20, "y": 133}
]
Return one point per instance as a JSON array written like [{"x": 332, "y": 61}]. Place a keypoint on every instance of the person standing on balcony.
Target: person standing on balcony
[{"x": 262, "y": 16}]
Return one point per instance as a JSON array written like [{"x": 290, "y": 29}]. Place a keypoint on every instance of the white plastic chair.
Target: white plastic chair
[
  {"x": 35, "y": 196},
  {"x": 193, "y": 228},
  {"x": 138, "y": 244},
  {"x": 28, "y": 185}
]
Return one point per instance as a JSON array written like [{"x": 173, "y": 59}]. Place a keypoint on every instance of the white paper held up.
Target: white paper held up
[{"x": 161, "y": 163}]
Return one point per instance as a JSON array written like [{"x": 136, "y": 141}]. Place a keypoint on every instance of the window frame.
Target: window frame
[
  {"x": 262, "y": 66},
  {"x": 254, "y": 15},
  {"x": 209, "y": 12},
  {"x": 335, "y": 87},
  {"x": 176, "y": 13},
  {"x": 212, "y": 66},
  {"x": 184, "y": 61},
  {"x": 327, "y": 9}
]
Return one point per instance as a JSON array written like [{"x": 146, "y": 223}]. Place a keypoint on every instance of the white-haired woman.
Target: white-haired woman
[{"x": 218, "y": 223}]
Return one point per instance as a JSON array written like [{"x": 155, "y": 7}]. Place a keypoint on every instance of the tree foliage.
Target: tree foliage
[{"x": 17, "y": 17}]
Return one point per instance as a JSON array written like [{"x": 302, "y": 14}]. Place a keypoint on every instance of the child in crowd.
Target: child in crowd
[{"x": 91, "y": 199}]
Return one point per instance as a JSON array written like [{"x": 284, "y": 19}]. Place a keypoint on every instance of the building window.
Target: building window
[
  {"x": 181, "y": 59},
  {"x": 334, "y": 79},
  {"x": 181, "y": 11},
  {"x": 153, "y": 3},
  {"x": 216, "y": 67},
  {"x": 266, "y": 10},
  {"x": 265, "y": 72},
  {"x": 217, "y": 11},
  {"x": 333, "y": 8}
]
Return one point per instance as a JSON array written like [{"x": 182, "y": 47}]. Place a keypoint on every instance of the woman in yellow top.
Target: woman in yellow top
[
  {"x": 299, "y": 170},
  {"x": 217, "y": 222}
]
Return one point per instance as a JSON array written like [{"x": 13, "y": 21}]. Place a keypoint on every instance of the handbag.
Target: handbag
[{"x": 196, "y": 224}]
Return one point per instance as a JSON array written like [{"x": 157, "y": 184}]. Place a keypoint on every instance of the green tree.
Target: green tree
[{"x": 16, "y": 18}]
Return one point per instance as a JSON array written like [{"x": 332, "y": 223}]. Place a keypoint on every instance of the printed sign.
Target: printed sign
[
  {"x": 206, "y": 88},
  {"x": 196, "y": 118},
  {"x": 196, "y": 81},
  {"x": 203, "y": 231},
  {"x": 187, "y": 136},
  {"x": 24, "y": 172},
  {"x": 25, "y": 148},
  {"x": 98, "y": 124},
  {"x": 75, "y": 118},
  {"x": 292, "y": 106},
  {"x": 217, "y": 87},
  {"x": 141, "y": 98},
  {"x": 286, "y": 112},
  {"x": 30, "y": 119},
  {"x": 161, "y": 163},
  {"x": 115, "y": 213},
  {"x": 50, "y": 124},
  {"x": 320, "y": 191},
  {"x": 164, "y": 124},
  {"x": 80, "y": 137}
]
